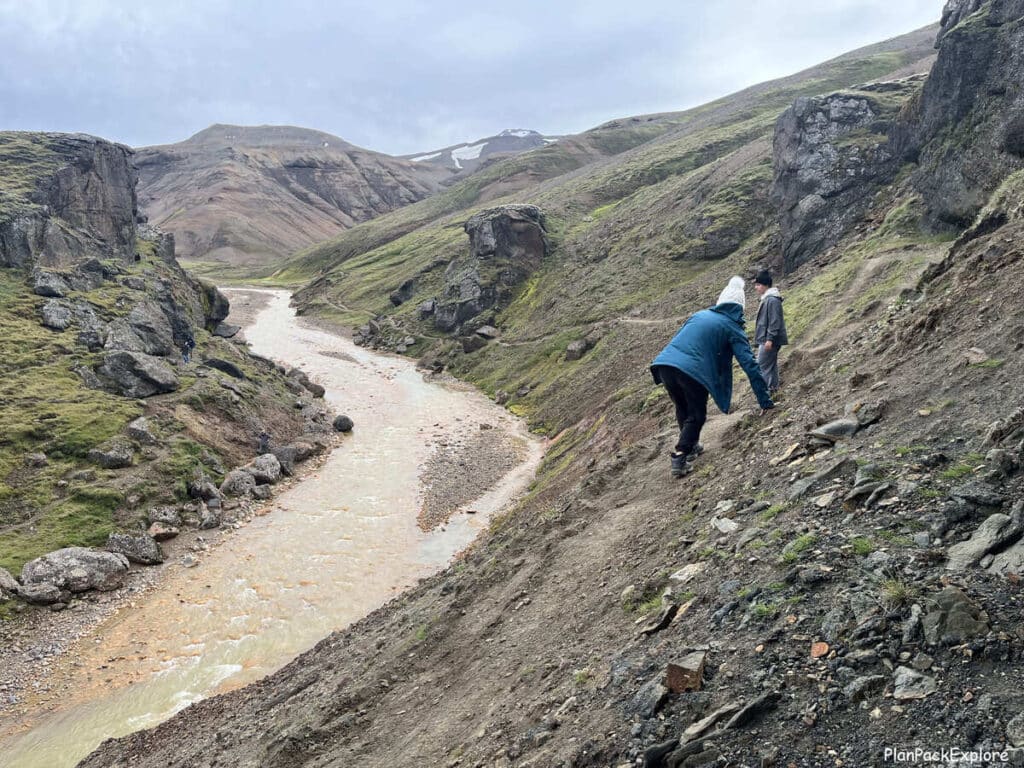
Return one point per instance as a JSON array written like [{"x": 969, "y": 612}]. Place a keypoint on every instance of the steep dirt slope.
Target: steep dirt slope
[
  {"x": 842, "y": 595},
  {"x": 240, "y": 199}
]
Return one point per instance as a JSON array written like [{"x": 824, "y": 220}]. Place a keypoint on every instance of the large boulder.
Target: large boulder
[
  {"x": 305, "y": 449},
  {"x": 135, "y": 374},
  {"x": 42, "y": 594},
  {"x": 140, "y": 548},
  {"x": 286, "y": 457},
  {"x": 164, "y": 516},
  {"x": 56, "y": 315},
  {"x": 76, "y": 569},
  {"x": 997, "y": 531},
  {"x": 92, "y": 331},
  {"x": 226, "y": 330},
  {"x": 238, "y": 483},
  {"x": 46, "y": 283},
  {"x": 224, "y": 366},
  {"x": 404, "y": 292},
  {"x": 215, "y": 304},
  {"x": 141, "y": 431},
  {"x": 152, "y": 328},
  {"x": 117, "y": 455},
  {"x": 265, "y": 469},
  {"x": 300, "y": 376}
]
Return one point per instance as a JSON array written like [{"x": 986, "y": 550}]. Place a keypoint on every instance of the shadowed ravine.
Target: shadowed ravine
[{"x": 331, "y": 549}]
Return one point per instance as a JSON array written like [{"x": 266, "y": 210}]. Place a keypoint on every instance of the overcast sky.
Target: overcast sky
[{"x": 403, "y": 76}]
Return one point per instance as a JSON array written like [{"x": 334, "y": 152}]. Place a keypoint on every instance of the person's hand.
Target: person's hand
[{"x": 769, "y": 346}]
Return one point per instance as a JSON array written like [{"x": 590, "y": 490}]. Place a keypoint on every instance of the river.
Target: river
[{"x": 329, "y": 550}]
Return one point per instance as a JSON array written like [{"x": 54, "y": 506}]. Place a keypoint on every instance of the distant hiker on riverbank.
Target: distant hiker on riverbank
[
  {"x": 186, "y": 348},
  {"x": 698, "y": 363},
  {"x": 769, "y": 330}
]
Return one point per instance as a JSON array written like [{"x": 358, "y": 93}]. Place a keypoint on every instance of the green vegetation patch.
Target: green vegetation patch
[
  {"x": 26, "y": 158},
  {"x": 85, "y": 519}
]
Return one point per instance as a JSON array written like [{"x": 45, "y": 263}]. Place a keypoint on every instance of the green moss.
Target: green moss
[
  {"x": 990, "y": 363},
  {"x": 795, "y": 549},
  {"x": 956, "y": 472},
  {"x": 764, "y": 611},
  {"x": 772, "y": 512},
  {"x": 896, "y": 539},
  {"x": 83, "y": 520},
  {"x": 26, "y": 159},
  {"x": 862, "y": 546},
  {"x": 896, "y": 593}
]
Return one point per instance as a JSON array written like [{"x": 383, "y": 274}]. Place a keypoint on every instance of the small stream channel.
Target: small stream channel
[{"x": 330, "y": 549}]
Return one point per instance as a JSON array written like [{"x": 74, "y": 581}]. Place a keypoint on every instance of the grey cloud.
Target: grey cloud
[{"x": 403, "y": 76}]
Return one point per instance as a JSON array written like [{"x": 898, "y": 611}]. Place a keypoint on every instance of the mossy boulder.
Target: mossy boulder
[{"x": 506, "y": 245}]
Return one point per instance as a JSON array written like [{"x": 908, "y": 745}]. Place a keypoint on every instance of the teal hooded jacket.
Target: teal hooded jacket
[{"x": 704, "y": 348}]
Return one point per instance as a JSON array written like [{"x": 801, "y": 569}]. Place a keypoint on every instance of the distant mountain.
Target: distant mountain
[
  {"x": 241, "y": 198},
  {"x": 466, "y": 158}
]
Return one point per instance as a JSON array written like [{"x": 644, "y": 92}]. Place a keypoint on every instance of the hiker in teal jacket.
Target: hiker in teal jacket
[{"x": 698, "y": 363}]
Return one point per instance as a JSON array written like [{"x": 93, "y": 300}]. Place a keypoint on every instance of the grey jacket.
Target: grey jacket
[{"x": 770, "y": 325}]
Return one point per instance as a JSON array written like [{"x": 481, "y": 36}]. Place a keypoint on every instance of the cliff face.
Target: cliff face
[
  {"x": 966, "y": 131},
  {"x": 244, "y": 198},
  {"x": 85, "y": 208},
  {"x": 831, "y": 154}
]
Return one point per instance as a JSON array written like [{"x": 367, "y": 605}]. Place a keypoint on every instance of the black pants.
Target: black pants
[{"x": 691, "y": 401}]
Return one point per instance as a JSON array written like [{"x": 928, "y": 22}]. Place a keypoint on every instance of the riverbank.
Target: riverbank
[{"x": 264, "y": 564}]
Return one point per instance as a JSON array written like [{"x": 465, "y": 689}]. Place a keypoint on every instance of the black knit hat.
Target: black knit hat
[{"x": 764, "y": 277}]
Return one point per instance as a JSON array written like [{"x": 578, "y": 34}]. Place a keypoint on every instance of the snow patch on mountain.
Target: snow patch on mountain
[{"x": 472, "y": 152}]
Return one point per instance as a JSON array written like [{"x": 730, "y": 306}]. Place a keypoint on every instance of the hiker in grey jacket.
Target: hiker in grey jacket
[{"x": 770, "y": 330}]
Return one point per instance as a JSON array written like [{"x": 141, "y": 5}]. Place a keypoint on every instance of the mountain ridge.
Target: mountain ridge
[{"x": 239, "y": 198}]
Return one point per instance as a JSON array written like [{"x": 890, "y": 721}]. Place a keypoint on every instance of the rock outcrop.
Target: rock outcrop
[
  {"x": 136, "y": 374},
  {"x": 832, "y": 154},
  {"x": 978, "y": 72},
  {"x": 85, "y": 206},
  {"x": 506, "y": 244}
]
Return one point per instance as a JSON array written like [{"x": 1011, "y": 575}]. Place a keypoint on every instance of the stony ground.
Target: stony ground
[{"x": 463, "y": 467}]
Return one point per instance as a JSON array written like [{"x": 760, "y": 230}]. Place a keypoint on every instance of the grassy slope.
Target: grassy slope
[
  {"x": 631, "y": 236},
  {"x": 618, "y": 157},
  {"x": 24, "y": 157}
]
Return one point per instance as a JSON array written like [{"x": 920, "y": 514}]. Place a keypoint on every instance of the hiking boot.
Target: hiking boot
[
  {"x": 681, "y": 464},
  {"x": 698, "y": 449}
]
